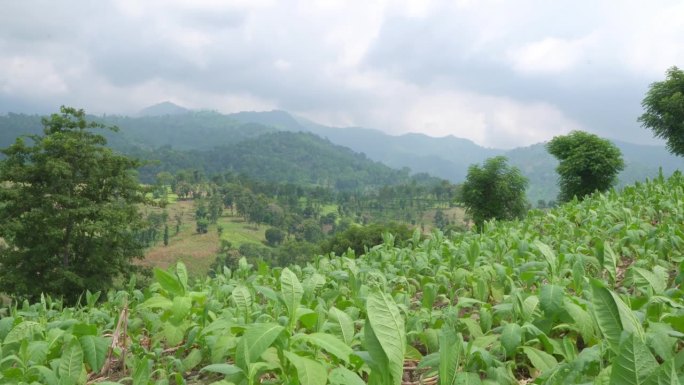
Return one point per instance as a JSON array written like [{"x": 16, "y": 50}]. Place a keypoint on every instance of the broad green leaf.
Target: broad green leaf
[
  {"x": 268, "y": 293},
  {"x": 630, "y": 322},
  {"x": 192, "y": 359},
  {"x": 225, "y": 369},
  {"x": 328, "y": 342},
  {"x": 172, "y": 333},
  {"x": 657, "y": 285},
  {"x": 344, "y": 376},
  {"x": 660, "y": 338},
  {"x": 169, "y": 282},
  {"x": 6, "y": 324},
  {"x": 607, "y": 315},
  {"x": 256, "y": 339},
  {"x": 37, "y": 352},
  {"x": 603, "y": 377},
  {"x": 255, "y": 369},
  {"x": 388, "y": 327},
  {"x": 141, "y": 372},
  {"x": 551, "y": 299},
  {"x": 309, "y": 372},
  {"x": 292, "y": 292},
  {"x": 94, "y": 351},
  {"x": 25, "y": 330},
  {"x": 609, "y": 260},
  {"x": 666, "y": 375},
  {"x": 180, "y": 308},
  {"x": 48, "y": 375},
  {"x": 182, "y": 274},
  {"x": 156, "y": 302},
  {"x": 474, "y": 328},
  {"x": 633, "y": 364},
  {"x": 541, "y": 360},
  {"x": 549, "y": 256},
  {"x": 243, "y": 299},
  {"x": 344, "y": 323},
  {"x": 582, "y": 318},
  {"x": 529, "y": 306},
  {"x": 71, "y": 362},
  {"x": 466, "y": 378},
  {"x": 219, "y": 350},
  {"x": 511, "y": 338},
  {"x": 83, "y": 329},
  {"x": 376, "y": 358},
  {"x": 450, "y": 349},
  {"x": 307, "y": 317}
]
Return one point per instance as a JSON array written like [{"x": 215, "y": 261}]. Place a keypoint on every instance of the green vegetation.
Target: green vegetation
[
  {"x": 322, "y": 269},
  {"x": 281, "y": 157},
  {"x": 178, "y": 142},
  {"x": 494, "y": 191},
  {"x": 587, "y": 164},
  {"x": 664, "y": 104},
  {"x": 589, "y": 292},
  {"x": 69, "y": 215},
  {"x": 358, "y": 239}
]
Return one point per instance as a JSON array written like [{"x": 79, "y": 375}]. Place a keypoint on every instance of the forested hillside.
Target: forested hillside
[
  {"x": 587, "y": 293},
  {"x": 170, "y": 137},
  {"x": 184, "y": 131},
  {"x": 449, "y": 157},
  {"x": 213, "y": 144},
  {"x": 284, "y": 157}
]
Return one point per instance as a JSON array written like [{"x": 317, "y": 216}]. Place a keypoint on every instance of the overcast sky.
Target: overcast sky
[{"x": 502, "y": 73}]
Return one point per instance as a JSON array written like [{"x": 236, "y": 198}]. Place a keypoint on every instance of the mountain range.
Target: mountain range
[
  {"x": 180, "y": 129},
  {"x": 449, "y": 157}
]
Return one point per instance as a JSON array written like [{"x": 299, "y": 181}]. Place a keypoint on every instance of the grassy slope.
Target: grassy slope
[{"x": 198, "y": 251}]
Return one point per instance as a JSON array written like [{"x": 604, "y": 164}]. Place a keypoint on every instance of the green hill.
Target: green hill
[
  {"x": 164, "y": 108},
  {"x": 285, "y": 157},
  {"x": 586, "y": 293},
  {"x": 449, "y": 157},
  {"x": 178, "y": 139}
]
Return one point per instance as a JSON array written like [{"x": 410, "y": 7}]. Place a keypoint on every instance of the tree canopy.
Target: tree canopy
[
  {"x": 664, "y": 110},
  {"x": 69, "y": 213},
  {"x": 587, "y": 164},
  {"x": 494, "y": 191}
]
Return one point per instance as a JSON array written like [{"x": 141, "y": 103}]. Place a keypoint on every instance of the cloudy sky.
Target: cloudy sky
[{"x": 503, "y": 73}]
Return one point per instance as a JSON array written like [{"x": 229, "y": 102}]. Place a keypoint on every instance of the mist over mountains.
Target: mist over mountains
[
  {"x": 178, "y": 128},
  {"x": 449, "y": 157}
]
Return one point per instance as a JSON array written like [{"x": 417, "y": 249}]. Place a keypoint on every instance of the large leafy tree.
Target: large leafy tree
[
  {"x": 494, "y": 191},
  {"x": 664, "y": 110},
  {"x": 69, "y": 212},
  {"x": 587, "y": 164}
]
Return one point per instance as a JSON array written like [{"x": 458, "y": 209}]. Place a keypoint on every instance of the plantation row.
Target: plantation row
[{"x": 587, "y": 293}]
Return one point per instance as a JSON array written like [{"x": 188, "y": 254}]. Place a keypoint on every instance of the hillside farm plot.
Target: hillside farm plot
[{"x": 588, "y": 293}]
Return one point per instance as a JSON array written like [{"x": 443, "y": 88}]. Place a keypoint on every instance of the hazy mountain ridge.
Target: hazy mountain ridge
[
  {"x": 447, "y": 157},
  {"x": 163, "y": 108},
  {"x": 214, "y": 143}
]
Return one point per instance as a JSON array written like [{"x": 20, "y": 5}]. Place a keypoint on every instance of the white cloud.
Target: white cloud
[
  {"x": 499, "y": 72},
  {"x": 550, "y": 55},
  {"x": 26, "y": 75}
]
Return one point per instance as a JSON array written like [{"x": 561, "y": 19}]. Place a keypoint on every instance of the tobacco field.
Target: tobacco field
[{"x": 588, "y": 293}]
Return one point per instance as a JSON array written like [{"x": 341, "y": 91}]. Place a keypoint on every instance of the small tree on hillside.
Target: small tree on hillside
[
  {"x": 70, "y": 211},
  {"x": 664, "y": 105},
  {"x": 587, "y": 164},
  {"x": 494, "y": 191},
  {"x": 274, "y": 236}
]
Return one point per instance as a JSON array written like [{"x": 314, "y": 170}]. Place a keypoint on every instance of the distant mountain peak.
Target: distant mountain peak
[
  {"x": 279, "y": 119},
  {"x": 163, "y": 108}
]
